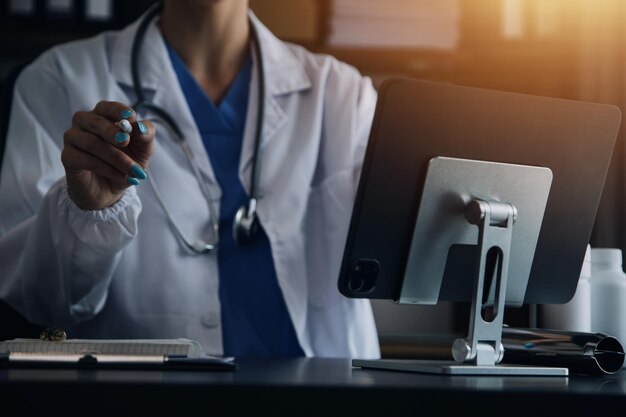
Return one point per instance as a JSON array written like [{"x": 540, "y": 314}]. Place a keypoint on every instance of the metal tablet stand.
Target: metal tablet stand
[{"x": 459, "y": 194}]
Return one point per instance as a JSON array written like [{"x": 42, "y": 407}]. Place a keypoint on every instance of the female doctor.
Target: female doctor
[{"x": 188, "y": 176}]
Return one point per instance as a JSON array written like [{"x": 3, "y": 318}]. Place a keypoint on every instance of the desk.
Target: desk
[{"x": 303, "y": 387}]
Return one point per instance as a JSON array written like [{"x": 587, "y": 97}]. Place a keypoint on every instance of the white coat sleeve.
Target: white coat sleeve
[{"x": 56, "y": 260}]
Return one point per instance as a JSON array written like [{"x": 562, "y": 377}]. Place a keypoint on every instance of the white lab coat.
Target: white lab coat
[{"x": 121, "y": 272}]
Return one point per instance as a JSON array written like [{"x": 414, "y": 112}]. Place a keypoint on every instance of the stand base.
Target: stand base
[{"x": 455, "y": 368}]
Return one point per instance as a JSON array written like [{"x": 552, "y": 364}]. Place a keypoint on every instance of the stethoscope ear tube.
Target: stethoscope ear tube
[
  {"x": 246, "y": 224},
  {"x": 134, "y": 54}
]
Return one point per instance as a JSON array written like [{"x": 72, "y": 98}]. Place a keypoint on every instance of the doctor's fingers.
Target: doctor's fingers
[
  {"x": 115, "y": 111},
  {"x": 75, "y": 159},
  {"x": 141, "y": 141},
  {"x": 93, "y": 145},
  {"x": 102, "y": 127},
  {"x": 143, "y": 131}
]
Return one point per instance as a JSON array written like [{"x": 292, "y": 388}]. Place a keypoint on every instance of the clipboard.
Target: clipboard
[
  {"x": 113, "y": 361},
  {"x": 159, "y": 354}
]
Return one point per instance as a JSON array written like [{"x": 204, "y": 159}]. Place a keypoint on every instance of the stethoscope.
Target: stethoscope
[{"x": 245, "y": 224}]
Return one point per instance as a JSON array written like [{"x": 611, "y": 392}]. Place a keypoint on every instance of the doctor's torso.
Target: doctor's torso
[{"x": 316, "y": 123}]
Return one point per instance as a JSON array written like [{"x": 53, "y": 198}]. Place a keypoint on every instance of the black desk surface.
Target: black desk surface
[{"x": 297, "y": 387}]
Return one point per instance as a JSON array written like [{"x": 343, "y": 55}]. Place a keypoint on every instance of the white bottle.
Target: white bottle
[
  {"x": 575, "y": 315},
  {"x": 608, "y": 293}
]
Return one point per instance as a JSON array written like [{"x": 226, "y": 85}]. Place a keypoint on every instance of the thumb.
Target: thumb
[{"x": 140, "y": 146}]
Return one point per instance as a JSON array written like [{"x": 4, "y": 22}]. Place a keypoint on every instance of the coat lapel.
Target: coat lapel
[{"x": 284, "y": 74}]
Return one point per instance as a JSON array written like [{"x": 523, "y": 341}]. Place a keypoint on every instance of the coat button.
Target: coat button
[{"x": 210, "y": 319}]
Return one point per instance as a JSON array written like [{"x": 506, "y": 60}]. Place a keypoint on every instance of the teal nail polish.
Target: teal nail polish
[
  {"x": 126, "y": 113},
  {"x": 137, "y": 172},
  {"x": 133, "y": 181},
  {"x": 121, "y": 137},
  {"x": 142, "y": 128}
]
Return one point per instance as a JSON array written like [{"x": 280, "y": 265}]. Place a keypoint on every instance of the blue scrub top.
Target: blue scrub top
[{"x": 255, "y": 320}]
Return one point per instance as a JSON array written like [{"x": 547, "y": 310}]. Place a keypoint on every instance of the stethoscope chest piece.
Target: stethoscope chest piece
[{"x": 246, "y": 223}]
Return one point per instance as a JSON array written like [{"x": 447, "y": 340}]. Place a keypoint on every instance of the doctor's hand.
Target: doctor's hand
[{"x": 101, "y": 160}]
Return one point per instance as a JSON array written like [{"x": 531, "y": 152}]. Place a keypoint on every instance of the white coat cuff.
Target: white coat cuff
[{"x": 107, "y": 229}]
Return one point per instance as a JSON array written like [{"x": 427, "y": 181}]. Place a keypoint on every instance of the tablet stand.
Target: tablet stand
[{"x": 451, "y": 201}]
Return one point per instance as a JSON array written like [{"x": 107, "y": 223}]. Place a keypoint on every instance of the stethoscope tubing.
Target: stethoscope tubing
[{"x": 244, "y": 225}]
